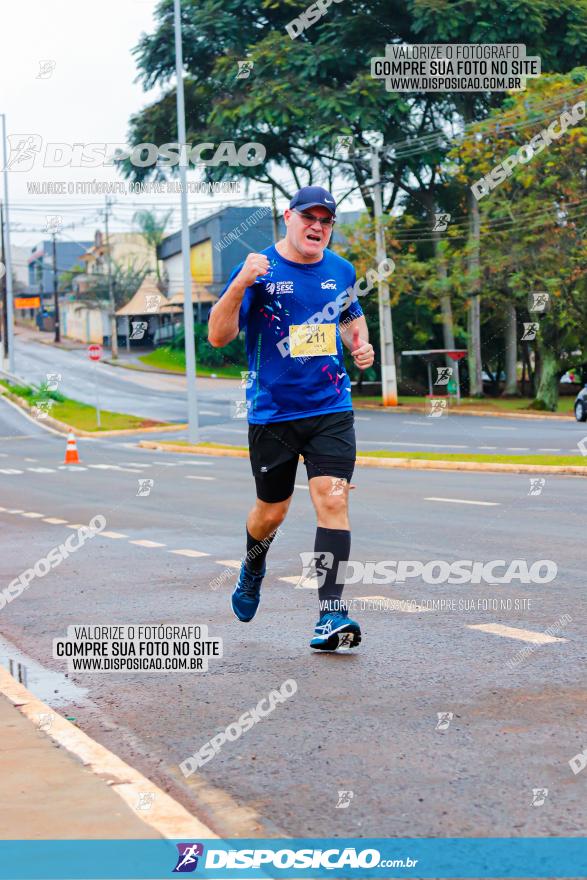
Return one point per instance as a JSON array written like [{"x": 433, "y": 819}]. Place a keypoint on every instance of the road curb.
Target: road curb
[
  {"x": 166, "y": 816},
  {"x": 199, "y": 450},
  {"x": 457, "y": 411},
  {"x": 163, "y": 372},
  {"x": 401, "y": 463},
  {"x": 63, "y": 428}
]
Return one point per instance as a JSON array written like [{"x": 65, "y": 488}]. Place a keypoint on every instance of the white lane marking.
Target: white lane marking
[
  {"x": 193, "y": 477},
  {"x": 14, "y": 510},
  {"x": 54, "y": 520},
  {"x": 113, "y": 535},
  {"x": 550, "y": 449},
  {"x": 31, "y": 459},
  {"x": 137, "y": 464},
  {"x": 510, "y": 632},
  {"x": 426, "y": 445},
  {"x": 420, "y": 424},
  {"x": 229, "y": 563},
  {"x": 134, "y": 464},
  {"x": 9, "y": 471},
  {"x": 498, "y": 428},
  {"x": 465, "y": 501},
  {"x": 190, "y": 553},
  {"x": 71, "y": 467},
  {"x": 167, "y": 463},
  {"x": 113, "y": 467},
  {"x": 75, "y": 526},
  {"x": 145, "y": 543},
  {"x": 199, "y": 463},
  {"x": 209, "y": 412},
  {"x": 489, "y": 447},
  {"x": 306, "y": 584},
  {"x": 301, "y": 486},
  {"x": 32, "y": 515},
  {"x": 518, "y": 448},
  {"x": 2, "y": 509},
  {"x": 405, "y": 606},
  {"x": 42, "y": 470}
]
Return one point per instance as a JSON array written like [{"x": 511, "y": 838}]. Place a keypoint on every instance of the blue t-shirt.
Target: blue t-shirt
[{"x": 280, "y": 387}]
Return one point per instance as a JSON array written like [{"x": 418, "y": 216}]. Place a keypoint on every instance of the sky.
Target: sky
[{"x": 87, "y": 93}]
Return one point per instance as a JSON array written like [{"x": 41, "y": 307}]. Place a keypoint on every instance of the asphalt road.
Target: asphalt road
[
  {"x": 157, "y": 396},
  {"x": 366, "y": 722}
]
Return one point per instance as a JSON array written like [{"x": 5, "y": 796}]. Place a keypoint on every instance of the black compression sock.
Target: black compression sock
[
  {"x": 257, "y": 551},
  {"x": 334, "y": 545}
]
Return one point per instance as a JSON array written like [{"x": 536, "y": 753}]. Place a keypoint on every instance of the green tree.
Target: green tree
[
  {"x": 532, "y": 225},
  {"x": 152, "y": 228}
]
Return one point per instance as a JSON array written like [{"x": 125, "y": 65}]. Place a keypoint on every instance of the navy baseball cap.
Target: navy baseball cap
[{"x": 311, "y": 197}]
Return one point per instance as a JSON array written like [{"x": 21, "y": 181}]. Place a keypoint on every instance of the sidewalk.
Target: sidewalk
[
  {"x": 49, "y": 795},
  {"x": 58, "y": 784},
  {"x": 46, "y": 338}
]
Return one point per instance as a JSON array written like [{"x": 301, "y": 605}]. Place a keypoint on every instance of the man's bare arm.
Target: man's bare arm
[
  {"x": 355, "y": 336},
  {"x": 223, "y": 321}
]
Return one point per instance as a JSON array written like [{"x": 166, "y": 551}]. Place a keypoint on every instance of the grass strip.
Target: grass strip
[
  {"x": 77, "y": 414},
  {"x": 547, "y": 460},
  {"x": 174, "y": 361}
]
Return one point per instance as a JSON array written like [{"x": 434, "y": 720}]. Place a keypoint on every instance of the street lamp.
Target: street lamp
[
  {"x": 188, "y": 307},
  {"x": 9, "y": 324}
]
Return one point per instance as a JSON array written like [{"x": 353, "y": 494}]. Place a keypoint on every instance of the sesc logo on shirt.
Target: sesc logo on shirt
[
  {"x": 279, "y": 287},
  {"x": 329, "y": 284}
]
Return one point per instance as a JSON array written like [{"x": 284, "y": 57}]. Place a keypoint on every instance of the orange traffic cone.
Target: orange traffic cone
[{"x": 71, "y": 456}]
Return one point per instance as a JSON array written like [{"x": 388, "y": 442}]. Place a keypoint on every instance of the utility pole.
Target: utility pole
[
  {"x": 388, "y": 372},
  {"x": 474, "y": 315},
  {"x": 188, "y": 306},
  {"x": 275, "y": 218},
  {"x": 3, "y": 283},
  {"x": 55, "y": 291},
  {"x": 8, "y": 260},
  {"x": 112, "y": 304}
]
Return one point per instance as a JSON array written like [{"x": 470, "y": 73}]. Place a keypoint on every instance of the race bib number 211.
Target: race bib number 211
[{"x": 311, "y": 340}]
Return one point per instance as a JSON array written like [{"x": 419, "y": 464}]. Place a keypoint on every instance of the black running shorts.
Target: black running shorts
[{"x": 327, "y": 444}]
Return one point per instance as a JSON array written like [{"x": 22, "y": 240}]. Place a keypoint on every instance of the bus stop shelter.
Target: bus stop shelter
[{"x": 430, "y": 354}]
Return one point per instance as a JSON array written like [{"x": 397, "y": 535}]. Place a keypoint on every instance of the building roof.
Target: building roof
[
  {"x": 200, "y": 293},
  {"x": 138, "y": 304}
]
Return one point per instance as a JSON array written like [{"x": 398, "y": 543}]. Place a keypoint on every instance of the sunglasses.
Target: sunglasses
[{"x": 310, "y": 219}]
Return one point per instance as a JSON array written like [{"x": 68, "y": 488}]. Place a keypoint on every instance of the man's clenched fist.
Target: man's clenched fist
[{"x": 255, "y": 265}]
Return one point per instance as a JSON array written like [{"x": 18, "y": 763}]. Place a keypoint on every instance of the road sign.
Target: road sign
[
  {"x": 27, "y": 302},
  {"x": 94, "y": 352}
]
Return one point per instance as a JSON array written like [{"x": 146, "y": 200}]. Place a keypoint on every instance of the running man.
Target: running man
[{"x": 296, "y": 305}]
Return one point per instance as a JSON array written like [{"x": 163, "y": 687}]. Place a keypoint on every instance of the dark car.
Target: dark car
[{"x": 581, "y": 405}]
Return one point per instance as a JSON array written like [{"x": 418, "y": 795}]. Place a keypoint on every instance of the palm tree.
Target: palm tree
[{"x": 152, "y": 228}]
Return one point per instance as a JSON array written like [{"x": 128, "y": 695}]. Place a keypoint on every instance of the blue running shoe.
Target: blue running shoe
[
  {"x": 247, "y": 594},
  {"x": 335, "y": 630}
]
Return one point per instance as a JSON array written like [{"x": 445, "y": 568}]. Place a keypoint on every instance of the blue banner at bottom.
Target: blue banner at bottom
[{"x": 546, "y": 857}]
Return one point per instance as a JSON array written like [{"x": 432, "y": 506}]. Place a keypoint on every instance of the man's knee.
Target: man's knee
[
  {"x": 332, "y": 504},
  {"x": 272, "y": 515}
]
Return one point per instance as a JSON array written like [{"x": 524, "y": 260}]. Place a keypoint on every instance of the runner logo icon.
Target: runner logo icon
[
  {"x": 314, "y": 568},
  {"x": 188, "y": 854}
]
